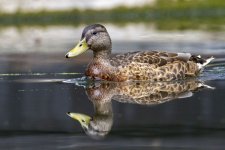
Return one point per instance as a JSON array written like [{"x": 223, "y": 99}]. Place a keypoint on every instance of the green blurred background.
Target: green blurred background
[
  {"x": 40, "y": 26},
  {"x": 165, "y": 14}
]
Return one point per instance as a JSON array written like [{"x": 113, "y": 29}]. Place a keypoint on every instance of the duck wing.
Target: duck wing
[{"x": 149, "y": 57}]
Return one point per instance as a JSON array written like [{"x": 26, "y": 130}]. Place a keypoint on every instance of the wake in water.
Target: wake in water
[{"x": 213, "y": 72}]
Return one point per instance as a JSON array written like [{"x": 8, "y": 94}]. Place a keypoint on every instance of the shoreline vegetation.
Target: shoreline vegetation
[{"x": 175, "y": 15}]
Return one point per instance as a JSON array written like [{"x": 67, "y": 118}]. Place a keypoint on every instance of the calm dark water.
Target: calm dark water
[
  {"x": 34, "y": 102},
  {"x": 34, "y": 106}
]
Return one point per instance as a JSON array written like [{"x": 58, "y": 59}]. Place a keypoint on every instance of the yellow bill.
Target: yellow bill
[
  {"x": 79, "y": 49},
  {"x": 82, "y": 118}
]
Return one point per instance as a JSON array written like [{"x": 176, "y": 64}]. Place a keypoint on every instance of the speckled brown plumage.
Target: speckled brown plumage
[
  {"x": 151, "y": 65},
  {"x": 141, "y": 65},
  {"x": 146, "y": 93}
]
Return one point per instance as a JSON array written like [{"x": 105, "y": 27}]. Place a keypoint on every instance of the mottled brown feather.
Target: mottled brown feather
[
  {"x": 150, "y": 57},
  {"x": 146, "y": 93},
  {"x": 155, "y": 66}
]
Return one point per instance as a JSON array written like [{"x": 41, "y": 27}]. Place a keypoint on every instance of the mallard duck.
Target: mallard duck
[
  {"x": 140, "y": 65},
  {"x": 143, "y": 93}
]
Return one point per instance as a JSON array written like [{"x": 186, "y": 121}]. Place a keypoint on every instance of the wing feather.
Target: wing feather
[{"x": 149, "y": 57}]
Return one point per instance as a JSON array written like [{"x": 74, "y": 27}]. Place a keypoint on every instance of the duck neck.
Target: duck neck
[
  {"x": 103, "y": 108},
  {"x": 102, "y": 54}
]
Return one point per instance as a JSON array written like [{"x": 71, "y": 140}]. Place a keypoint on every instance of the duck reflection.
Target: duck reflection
[{"x": 144, "y": 93}]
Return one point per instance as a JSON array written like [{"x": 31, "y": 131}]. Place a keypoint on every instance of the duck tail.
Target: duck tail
[
  {"x": 203, "y": 85},
  {"x": 201, "y": 62},
  {"x": 207, "y": 61}
]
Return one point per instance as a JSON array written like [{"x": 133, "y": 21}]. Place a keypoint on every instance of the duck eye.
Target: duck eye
[{"x": 94, "y": 33}]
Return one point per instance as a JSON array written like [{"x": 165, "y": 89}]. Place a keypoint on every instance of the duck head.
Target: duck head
[
  {"x": 83, "y": 119},
  {"x": 96, "y": 127},
  {"x": 94, "y": 37}
]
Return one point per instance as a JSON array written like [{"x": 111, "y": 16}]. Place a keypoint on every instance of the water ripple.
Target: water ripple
[{"x": 214, "y": 72}]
